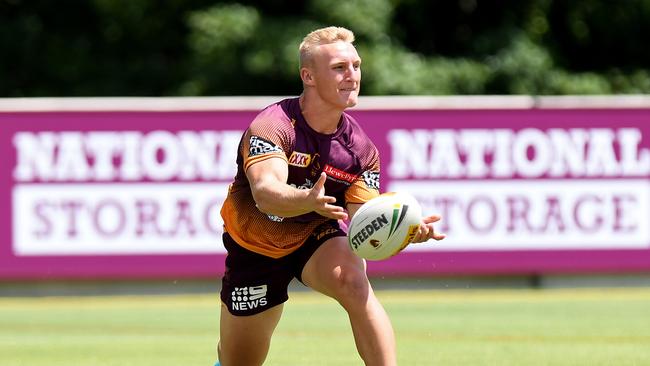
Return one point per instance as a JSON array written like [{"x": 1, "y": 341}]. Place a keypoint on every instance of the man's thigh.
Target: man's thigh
[{"x": 332, "y": 265}]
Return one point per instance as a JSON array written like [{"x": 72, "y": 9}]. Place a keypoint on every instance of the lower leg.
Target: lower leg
[
  {"x": 336, "y": 272},
  {"x": 245, "y": 340},
  {"x": 372, "y": 330}
]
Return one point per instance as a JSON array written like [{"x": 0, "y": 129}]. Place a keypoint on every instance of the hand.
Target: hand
[
  {"x": 426, "y": 231},
  {"x": 322, "y": 204}
]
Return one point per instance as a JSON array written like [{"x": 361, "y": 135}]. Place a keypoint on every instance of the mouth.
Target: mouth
[{"x": 352, "y": 89}]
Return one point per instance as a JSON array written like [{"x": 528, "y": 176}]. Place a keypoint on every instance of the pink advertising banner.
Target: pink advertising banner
[{"x": 137, "y": 194}]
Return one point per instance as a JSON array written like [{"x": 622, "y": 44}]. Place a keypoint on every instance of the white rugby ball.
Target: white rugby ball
[{"x": 383, "y": 226}]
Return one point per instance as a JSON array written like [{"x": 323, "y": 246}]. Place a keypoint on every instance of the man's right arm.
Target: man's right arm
[{"x": 272, "y": 194}]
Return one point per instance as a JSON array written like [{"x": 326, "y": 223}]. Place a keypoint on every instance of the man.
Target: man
[{"x": 303, "y": 165}]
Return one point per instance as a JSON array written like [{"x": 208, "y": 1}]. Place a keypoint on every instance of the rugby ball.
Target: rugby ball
[{"x": 385, "y": 225}]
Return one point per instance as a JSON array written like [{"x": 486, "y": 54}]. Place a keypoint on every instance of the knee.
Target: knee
[{"x": 352, "y": 288}]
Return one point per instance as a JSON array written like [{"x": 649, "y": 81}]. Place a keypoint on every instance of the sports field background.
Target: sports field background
[
  {"x": 433, "y": 327},
  {"x": 568, "y": 303}
]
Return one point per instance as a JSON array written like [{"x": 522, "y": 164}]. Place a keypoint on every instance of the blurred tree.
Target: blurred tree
[
  {"x": 100, "y": 47},
  {"x": 249, "y": 47},
  {"x": 599, "y": 35}
]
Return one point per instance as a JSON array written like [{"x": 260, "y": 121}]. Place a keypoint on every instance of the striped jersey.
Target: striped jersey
[{"x": 348, "y": 157}]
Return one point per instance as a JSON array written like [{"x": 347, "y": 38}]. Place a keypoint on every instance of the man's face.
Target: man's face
[{"x": 336, "y": 72}]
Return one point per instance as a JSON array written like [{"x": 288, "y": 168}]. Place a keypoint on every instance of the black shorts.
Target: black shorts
[{"x": 254, "y": 282}]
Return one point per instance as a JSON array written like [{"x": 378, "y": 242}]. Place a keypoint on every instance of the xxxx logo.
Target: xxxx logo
[{"x": 299, "y": 159}]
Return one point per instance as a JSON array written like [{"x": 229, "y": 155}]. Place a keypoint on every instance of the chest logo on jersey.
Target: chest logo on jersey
[
  {"x": 339, "y": 175},
  {"x": 299, "y": 159}
]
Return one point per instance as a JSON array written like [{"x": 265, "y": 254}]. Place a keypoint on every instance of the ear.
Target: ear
[{"x": 307, "y": 76}]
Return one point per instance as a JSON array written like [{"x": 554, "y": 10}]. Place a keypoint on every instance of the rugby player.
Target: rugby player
[{"x": 304, "y": 165}]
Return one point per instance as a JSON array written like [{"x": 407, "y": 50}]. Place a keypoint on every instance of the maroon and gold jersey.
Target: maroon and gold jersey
[{"x": 348, "y": 157}]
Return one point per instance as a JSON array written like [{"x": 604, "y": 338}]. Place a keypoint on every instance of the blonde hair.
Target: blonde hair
[{"x": 320, "y": 37}]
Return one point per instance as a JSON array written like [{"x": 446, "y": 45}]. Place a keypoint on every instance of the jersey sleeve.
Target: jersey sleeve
[
  {"x": 366, "y": 186},
  {"x": 267, "y": 137}
]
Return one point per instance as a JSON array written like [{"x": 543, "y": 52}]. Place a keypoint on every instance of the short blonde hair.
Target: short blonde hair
[{"x": 320, "y": 37}]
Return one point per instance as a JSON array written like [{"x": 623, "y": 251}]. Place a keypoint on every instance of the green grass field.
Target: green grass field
[{"x": 452, "y": 327}]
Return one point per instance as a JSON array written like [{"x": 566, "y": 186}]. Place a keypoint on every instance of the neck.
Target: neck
[{"x": 321, "y": 117}]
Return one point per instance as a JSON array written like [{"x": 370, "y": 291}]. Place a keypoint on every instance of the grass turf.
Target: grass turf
[{"x": 481, "y": 327}]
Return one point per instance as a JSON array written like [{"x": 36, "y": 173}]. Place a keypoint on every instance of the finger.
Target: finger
[
  {"x": 327, "y": 199},
  {"x": 333, "y": 212},
  {"x": 320, "y": 183},
  {"x": 432, "y": 234},
  {"x": 431, "y": 219},
  {"x": 427, "y": 232},
  {"x": 422, "y": 234},
  {"x": 439, "y": 236},
  {"x": 340, "y": 216},
  {"x": 326, "y": 207},
  {"x": 333, "y": 208}
]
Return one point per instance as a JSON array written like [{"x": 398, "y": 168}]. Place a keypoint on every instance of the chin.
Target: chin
[{"x": 352, "y": 101}]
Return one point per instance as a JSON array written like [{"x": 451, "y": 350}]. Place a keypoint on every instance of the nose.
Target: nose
[{"x": 350, "y": 73}]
